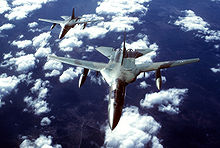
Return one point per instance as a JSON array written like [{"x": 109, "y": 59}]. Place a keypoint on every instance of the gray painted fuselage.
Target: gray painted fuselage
[{"x": 118, "y": 75}]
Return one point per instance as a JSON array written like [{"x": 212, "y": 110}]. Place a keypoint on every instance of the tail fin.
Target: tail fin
[
  {"x": 124, "y": 48},
  {"x": 73, "y": 14}
]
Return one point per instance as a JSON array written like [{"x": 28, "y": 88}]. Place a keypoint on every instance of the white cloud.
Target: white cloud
[
  {"x": 32, "y": 25},
  {"x": 22, "y": 44},
  {"x": 167, "y": 100},
  {"x": 21, "y": 36},
  {"x": 41, "y": 40},
  {"x": 20, "y": 53},
  {"x": 216, "y": 46},
  {"x": 41, "y": 142},
  {"x": 45, "y": 121},
  {"x": 52, "y": 73},
  {"x": 119, "y": 23},
  {"x": 7, "y": 55},
  {"x": 90, "y": 49},
  {"x": 7, "y": 85},
  {"x": 67, "y": 44},
  {"x": 36, "y": 86},
  {"x": 143, "y": 43},
  {"x": 39, "y": 106},
  {"x": 20, "y": 9},
  {"x": 144, "y": 75},
  {"x": 4, "y": 6},
  {"x": 26, "y": 78},
  {"x": 70, "y": 74},
  {"x": 39, "y": 90},
  {"x": 212, "y": 35},
  {"x": 53, "y": 65},
  {"x": 42, "y": 52},
  {"x": 192, "y": 22},
  {"x": 97, "y": 79},
  {"x": 122, "y": 7},
  {"x": 215, "y": 70},
  {"x": 25, "y": 63},
  {"x": 143, "y": 85},
  {"x": 6, "y": 27},
  {"x": 133, "y": 130}
]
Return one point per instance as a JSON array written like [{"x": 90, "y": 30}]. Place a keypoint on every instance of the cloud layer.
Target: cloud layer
[
  {"x": 20, "y": 9},
  {"x": 41, "y": 142},
  {"x": 7, "y": 85},
  {"x": 133, "y": 130},
  {"x": 166, "y": 100},
  {"x": 192, "y": 22}
]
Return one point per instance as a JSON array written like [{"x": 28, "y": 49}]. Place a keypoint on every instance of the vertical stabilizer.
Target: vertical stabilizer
[
  {"x": 73, "y": 14},
  {"x": 124, "y": 48}
]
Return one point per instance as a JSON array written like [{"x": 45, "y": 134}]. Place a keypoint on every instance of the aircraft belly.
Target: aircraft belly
[
  {"x": 128, "y": 76},
  {"x": 116, "y": 102}
]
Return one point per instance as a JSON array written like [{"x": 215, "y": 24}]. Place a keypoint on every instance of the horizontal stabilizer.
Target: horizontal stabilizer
[
  {"x": 144, "y": 51},
  {"x": 65, "y": 17},
  {"x": 106, "y": 51},
  {"x": 167, "y": 64},
  {"x": 97, "y": 66}
]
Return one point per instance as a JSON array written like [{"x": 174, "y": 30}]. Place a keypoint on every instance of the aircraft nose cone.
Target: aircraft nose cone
[{"x": 114, "y": 115}]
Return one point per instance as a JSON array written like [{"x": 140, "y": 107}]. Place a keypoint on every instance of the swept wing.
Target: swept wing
[
  {"x": 51, "y": 21},
  {"x": 97, "y": 66},
  {"x": 82, "y": 22},
  {"x": 167, "y": 64}
]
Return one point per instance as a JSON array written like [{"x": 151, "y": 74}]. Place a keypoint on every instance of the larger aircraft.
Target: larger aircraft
[
  {"x": 68, "y": 23},
  {"x": 119, "y": 72}
]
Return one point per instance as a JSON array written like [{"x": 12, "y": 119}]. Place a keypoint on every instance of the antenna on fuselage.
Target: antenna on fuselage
[{"x": 124, "y": 48}]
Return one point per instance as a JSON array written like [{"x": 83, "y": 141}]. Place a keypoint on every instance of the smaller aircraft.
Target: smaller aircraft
[{"x": 68, "y": 23}]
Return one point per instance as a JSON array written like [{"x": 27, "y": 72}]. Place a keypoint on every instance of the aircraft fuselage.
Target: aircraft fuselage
[{"x": 118, "y": 75}]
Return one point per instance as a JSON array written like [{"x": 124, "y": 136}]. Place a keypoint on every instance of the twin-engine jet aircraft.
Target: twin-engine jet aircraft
[
  {"x": 68, "y": 23},
  {"x": 119, "y": 72}
]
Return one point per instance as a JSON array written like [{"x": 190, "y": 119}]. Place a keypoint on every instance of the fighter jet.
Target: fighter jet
[
  {"x": 68, "y": 23},
  {"x": 119, "y": 72}
]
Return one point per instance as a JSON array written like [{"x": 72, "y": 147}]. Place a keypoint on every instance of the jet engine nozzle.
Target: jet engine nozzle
[
  {"x": 158, "y": 79},
  {"x": 54, "y": 24},
  {"x": 83, "y": 76}
]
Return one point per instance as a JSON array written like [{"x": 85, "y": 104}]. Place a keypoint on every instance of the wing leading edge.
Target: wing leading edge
[
  {"x": 166, "y": 64},
  {"x": 51, "y": 21},
  {"x": 82, "y": 22},
  {"x": 96, "y": 66}
]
